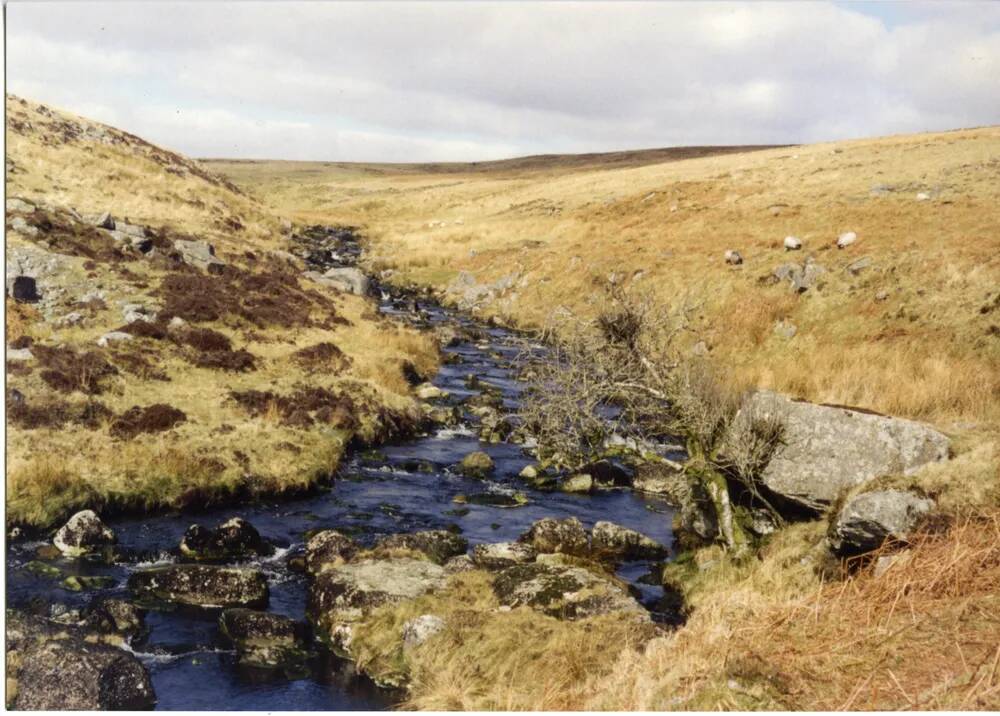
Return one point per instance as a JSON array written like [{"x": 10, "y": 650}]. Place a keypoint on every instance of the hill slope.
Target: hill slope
[{"x": 223, "y": 376}]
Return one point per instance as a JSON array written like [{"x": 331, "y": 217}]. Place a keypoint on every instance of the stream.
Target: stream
[{"x": 402, "y": 486}]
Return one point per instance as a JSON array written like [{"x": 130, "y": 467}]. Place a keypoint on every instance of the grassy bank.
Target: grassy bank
[
  {"x": 903, "y": 321},
  {"x": 248, "y": 382}
]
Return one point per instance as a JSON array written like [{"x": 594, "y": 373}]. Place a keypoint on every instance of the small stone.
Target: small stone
[
  {"x": 923, "y": 196},
  {"x": 785, "y": 329},
  {"x": 428, "y": 391},
  {"x": 846, "y": 239},
  {"x": 418, "y": 630},
  {"x": 70, "y": 319},
  {"x": 476, "y": 464},
  {"x": 856, "y": 267},
  {"x": 733, "y": 257},
  {"x": 792, "y": 243},
  {"x": 529, "y": 472},
  {"x": 579, "y": 483},
  {"x": 881, "y": 295},
  {"x": 105, "y": 221},
  {"x": 19, "y": 206}
]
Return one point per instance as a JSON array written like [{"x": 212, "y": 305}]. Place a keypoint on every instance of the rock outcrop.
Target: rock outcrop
[
  {"x": 341, "y": 596},
  {"x": 566, "y": 536},
  {"x": 562, "y": 591},
  {"x": 438, "y": 545},
  {"x": 500, "y": 555}
]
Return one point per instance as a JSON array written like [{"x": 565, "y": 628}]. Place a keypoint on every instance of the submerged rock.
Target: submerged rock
[
  {"x": 233, "y": 539},
  {"x": 551, "y": 535},
  {"x": 501, "y": 555},
  {"x": 867, "y": 520},
  {"x": 84, "y": 533},
  {"x": 328, "y": 549},
  {"x": 564, "y": 592},
  {"x": 341, "y": 596},
  {"x": 53, "y": 667},
  {"x": 827, "y": 449},
  {"x": 201, "y": 585},
  {"x": 438, "y": 545},
  {"x": 609, "y": 540}
]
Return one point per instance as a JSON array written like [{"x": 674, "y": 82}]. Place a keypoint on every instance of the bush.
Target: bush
[{"x": 154, "y": 418}]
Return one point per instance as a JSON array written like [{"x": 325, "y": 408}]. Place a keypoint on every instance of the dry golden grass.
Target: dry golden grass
[
  {"x": 220, "y": 452},
  {"x": 486, "y": 659},
  {"x": 928, "y": 351},
  {"x": 769, "y": 633}
]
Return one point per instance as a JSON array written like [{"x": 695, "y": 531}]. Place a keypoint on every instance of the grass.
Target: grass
[
  {"x": 915, "y": 334},
  {"x": 150, "y": 423}
]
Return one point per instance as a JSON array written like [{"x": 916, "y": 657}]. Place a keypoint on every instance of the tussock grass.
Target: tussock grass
[{"x": 486, "y": 659}]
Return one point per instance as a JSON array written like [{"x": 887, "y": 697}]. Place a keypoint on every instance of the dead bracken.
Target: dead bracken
[{"x": 324, "y": 356}]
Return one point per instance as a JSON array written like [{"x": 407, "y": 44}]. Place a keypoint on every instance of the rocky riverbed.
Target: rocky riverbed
[{"x": 242, "y": 613}]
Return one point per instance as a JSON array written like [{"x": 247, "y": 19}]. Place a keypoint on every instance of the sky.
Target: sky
[{"x": 447, "y": 81}]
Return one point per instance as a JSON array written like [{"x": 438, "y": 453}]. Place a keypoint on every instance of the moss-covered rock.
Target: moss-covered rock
[
  {"x": 233, "y": 539},
  {"x": 265, "y": 640},
  {"x": 438, "y": 545},
  {"x": 564, "y": 592}
]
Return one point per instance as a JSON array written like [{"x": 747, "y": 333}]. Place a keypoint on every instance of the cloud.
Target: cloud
[{"x": 449, "y": 81}]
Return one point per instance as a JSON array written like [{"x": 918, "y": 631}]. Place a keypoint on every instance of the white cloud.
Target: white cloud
[{"x": 419, "y": 81}]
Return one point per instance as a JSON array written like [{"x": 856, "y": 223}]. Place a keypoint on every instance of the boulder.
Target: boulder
[
  {"x": 856, "y": 267},
  {"x": 612, "y": 541},
  {"x": 461, "y": 563},
  {"x": 233, "y": 539},
  {"x": 785, "y": 329},
  {"x": 83, "y": 533},
  {"x": 199, "y": 254},
  {"x": 427, "y": 391},
  {"x": 341, "y": 596},
  {"x": 607, "y": 474},
  {"x": 130, "y": 229},
  {"x": 18, "y": 355},
  {"x": 867, "y": 520},
  {"x": 562, "y": 591},
  {"x": 350, "y": 280},
  {"x": 263, "y": 639},
  {"x": 54, "y": 667},
  {"x": 551, "y": 535},
  {"x": 438, "y": 545},
  {"x": 501, "y": 555},
  {"x": 792, "y": 243},
  {"x": 328, "y": 549},
  {"x": 418, "y": 630},
  {"x": 476, "y": 464},
  {"x": 733, "y": 257},
  {"x": 201, "y": 585},
  {"x": 21, "y": 226},
  {"x": 846, "y": 239},
  {"x": 827, "y": 449}
]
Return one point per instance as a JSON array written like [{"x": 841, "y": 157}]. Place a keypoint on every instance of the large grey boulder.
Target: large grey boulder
[
  {"x": 869, "y": 519},
  {"x": 828, "y": 449},
  {"x": 201, "y": 585},
  {"x": 56, "y": 667},
  {"x": 199, "y": 254},
  {"x": 563, "y": 591},
  {"x": 611, "y": 541},
  {"x": 340, "y": 597},
  {"x": 348, "y": 279},
  {"x": 83, "y": 533}
]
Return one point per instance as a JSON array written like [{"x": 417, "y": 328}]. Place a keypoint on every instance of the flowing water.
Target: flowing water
[{"x": 402, "y": 487}]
